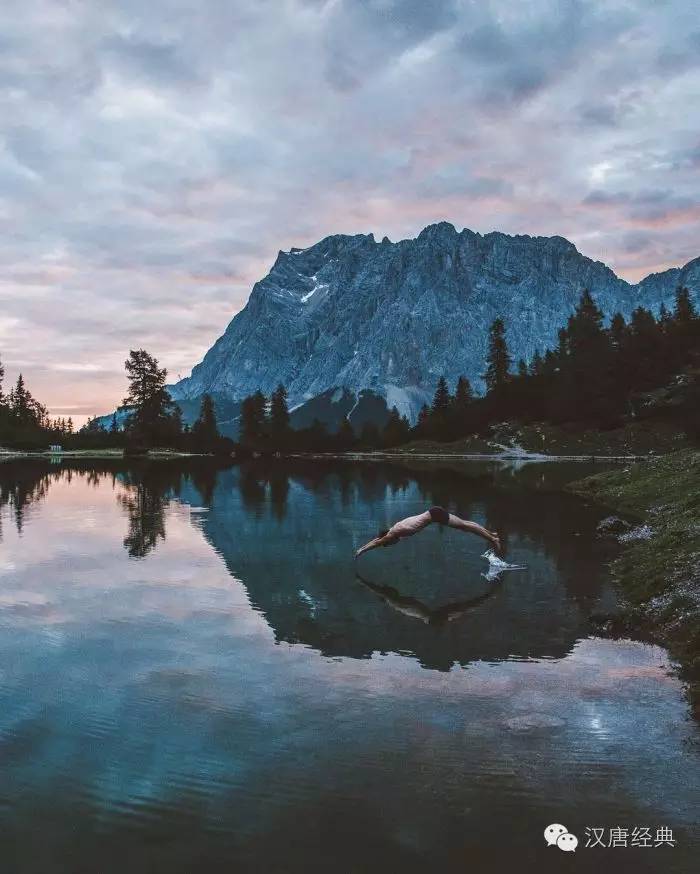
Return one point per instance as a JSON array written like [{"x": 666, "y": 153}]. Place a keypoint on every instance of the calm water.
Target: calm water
[{"x": 193, "y": 678}]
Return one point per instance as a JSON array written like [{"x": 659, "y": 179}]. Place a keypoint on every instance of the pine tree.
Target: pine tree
[
  {"x": 397, "y": 429},
  {"x": 440, "y": 411},
  {"x": 22, "y": 403},
  {"x": 170, "y": 432},
  {"x": 2, "y": 377},
  {"x": 152, "y": 416},
  {"x": 441, "y": 399},
  {"x": 498, "y": 358},
  {"x": 643, "y": 352},
  {"x": 346, "y": 435},
  {"x": 423, "y": 423},
  {"x": 316, "y": 438},
  {"x": 536, "y": 364},
  {"x": 684, "y": 333},
  {"x": 205, "y": 431},
  {"x": 463, "y": 394},
  {"x": 461, "y": 406},
  {"x": 618, "y": 329},
  {"x": 562, "y": 346},
  {"x": 684, "y": 310},
  {"x": 254, "y": 420},
  {"x": 279, "y": 416},
  {"x": 587, "y": 383},
  {"x": 370, "y": 437}
]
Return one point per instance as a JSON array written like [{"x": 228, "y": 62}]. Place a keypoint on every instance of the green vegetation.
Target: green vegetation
[
  {"x": 634, "y": 438},
  {"x": 660, "y": 576}
]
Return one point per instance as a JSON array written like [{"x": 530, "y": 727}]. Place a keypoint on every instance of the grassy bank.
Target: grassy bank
[
  {"x": 660, "y": 576},
  {"x": 633, "y": 439}
]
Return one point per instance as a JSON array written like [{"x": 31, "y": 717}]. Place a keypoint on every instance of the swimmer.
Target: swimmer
[{"x": 413, "y": 524}]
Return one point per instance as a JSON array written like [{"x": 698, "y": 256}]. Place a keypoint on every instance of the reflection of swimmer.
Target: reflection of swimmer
[
  {"x": 413, "y": 524},
  {"x": 410, "y": 606}
]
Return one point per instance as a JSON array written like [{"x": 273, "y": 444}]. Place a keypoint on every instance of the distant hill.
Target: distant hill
[{"x": 333, "y": 406}]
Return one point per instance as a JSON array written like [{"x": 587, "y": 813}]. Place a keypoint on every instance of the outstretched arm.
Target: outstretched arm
[
  {"x": 475, "y": 528},
  {"x": 373, "y": 544}
]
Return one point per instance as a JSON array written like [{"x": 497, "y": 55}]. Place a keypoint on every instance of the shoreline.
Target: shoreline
[
  {"x": 368, "y": 455},
  {"x": 475, "y": 456},
  {"x": 95, "y": 453},
  {"x": 658, "y": 572},
  {"x": 466, "y": 456}
]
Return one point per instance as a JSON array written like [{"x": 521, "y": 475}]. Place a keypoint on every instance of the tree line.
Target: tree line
[
  {"x": 147, "y": 417},
  {"x": 26, "y": 421},
  {"x": 265, "y": 425},
  {"x": 150, "y": 418},
  {"x": 595, "y": 377}
]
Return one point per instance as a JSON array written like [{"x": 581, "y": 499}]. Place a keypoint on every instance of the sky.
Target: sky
[{"x": 155, "y": 156}]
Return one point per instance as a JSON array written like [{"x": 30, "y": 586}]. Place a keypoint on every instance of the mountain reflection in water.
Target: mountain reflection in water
[{"x": 192, "y": 676}]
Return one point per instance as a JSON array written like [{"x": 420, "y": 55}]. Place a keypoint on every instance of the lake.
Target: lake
[{"x": 193, "y": 677}]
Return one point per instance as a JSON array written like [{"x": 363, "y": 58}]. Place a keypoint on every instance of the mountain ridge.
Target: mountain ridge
[{"x": 393, "y": 317}]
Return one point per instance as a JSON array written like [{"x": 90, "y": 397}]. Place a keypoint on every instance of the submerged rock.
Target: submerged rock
[
  {"x": 641, "y": 532},
  {"x": 612, "y": 526}
]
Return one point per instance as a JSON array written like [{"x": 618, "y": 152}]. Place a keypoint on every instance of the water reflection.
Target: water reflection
[
  {"x": 191, "y": 670},
  {"x": 288, "y": 530},
  {"x": 293, "y": 556},
  {"x": 143, "y": 490},
  {"x": 407, "y": 605}
]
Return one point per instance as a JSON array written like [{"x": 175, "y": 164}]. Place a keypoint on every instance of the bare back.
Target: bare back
[{"x": 410, "y": 525}]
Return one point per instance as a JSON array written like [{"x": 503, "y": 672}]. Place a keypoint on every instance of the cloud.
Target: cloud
[{"x": 155, "y": 157}]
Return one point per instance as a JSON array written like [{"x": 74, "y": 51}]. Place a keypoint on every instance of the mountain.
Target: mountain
[
  {"x": 352, "y": 313},
  {"x": 333, "y": 406}
]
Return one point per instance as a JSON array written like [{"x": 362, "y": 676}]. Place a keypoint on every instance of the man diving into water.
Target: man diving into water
[{"x": 413, "y": 524}]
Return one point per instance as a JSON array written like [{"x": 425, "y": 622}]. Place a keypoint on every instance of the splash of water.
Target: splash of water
[{"x": 497, "y": 565}]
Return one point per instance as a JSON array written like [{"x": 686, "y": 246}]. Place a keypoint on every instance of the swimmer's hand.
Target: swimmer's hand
[
  {"x": 375, "y": 542},
  {"x": 495, "y": 540}
]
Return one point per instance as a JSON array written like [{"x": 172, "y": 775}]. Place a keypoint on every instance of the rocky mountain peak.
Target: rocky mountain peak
[{"x": 394, "y": 317}]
